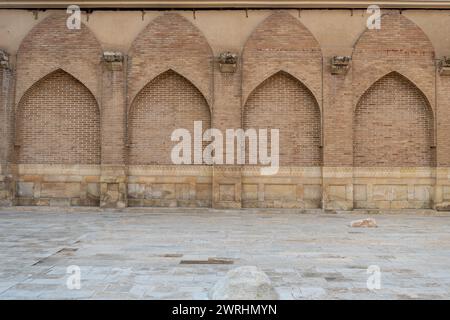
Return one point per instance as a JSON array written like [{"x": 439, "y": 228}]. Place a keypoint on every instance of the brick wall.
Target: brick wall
[
  {"x": 58, "y": 122},
  {"x": 170, "y": 42},
  {"x": 399, "y": 46},
  {"x": 113, "y": 117},
  {"x": 167, "y": 103},
  {"x": 281, "y": 42},
  {"x": 50, "y": 46},
  {"x": 2, "y": 119},
  {"x": 6, "y": 115},
  {"x": 443, "y": 124},
  {"x": 376, "y": 124},
  {"x": 393, "y": 126},
  {"x": 282, "y": 102}
]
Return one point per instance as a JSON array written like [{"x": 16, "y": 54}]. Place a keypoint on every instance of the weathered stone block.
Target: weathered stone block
[
  {"x": 244, "y": 283},
  {"x": 26, "y": 202},
  {"x": 42, "y": 202},
  {"x": 203, "y": 191},
  {"x": 249, "y": 192},
  {"x": 160, "y": 191},
  {"x": 182, "y": 191},
  {"x": 135, "y": 203},
  {"x": 364, "y": 223},
  {"x": 312, "y": 204},
  {"x": 25, "y": 189},
  {"x": 186, "y": 203},
  {"x": 136, "y": 190},
  {"x": 58, "y": 202},
  {"x": 335, "y": 192},
  {"x": 390, "y": 192},
  {"x": 113, "y": 195},
  {"x": 226, "y": 192},
  {"x": 446, "y": 193},
  {"x": 423, "y": 193},
  {"x": 60, "y": 189},
  {"x": 4, "y": 194},
  {"x": 359, "y": 192},
  {"x": 203, "y": 203},
  {"x": 338, "y": 205},
  {"x": 365, "y": 205},
  {"x": 62, "y": 178},
  {"x": 445, "y": 206},
  {"x": 312, "y": 192},
  {"x": 280, "y": 192},
  {"x": 404, "y": 204},
  {"x": 93, "y": 190}
]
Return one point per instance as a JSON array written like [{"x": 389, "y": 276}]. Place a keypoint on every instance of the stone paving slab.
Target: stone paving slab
[{"x": 181, "y": 253}]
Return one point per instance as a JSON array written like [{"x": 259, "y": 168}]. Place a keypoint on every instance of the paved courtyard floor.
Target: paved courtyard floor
[{"x": 181, "y": 253}]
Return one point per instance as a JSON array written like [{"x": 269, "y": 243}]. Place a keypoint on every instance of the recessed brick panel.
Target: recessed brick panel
[
  {"x": 393, "y": 126},
  {"x": 167, "y": 103},
  {"x": 282, "y": 102},
  {"x": 170, "y": 42},
  {"x": 281, "y": 42},
  {"x": 50, "y": 46},
  {"x": 58, "y": 121},
  {"x": 401, "y": 46}
]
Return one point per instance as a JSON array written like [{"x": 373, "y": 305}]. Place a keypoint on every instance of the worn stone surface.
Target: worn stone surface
[
  {"x": 244, "y": 283},
  {"x": 25, "y": 189},
  {"x": 137, "y": 253},
  {"x": 443, "y": 206}
]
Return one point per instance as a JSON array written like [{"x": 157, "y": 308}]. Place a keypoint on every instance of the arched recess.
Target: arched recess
[
  {"x": 283, "y": 102},
  {"x": 399, "y": 45},
  {"x": 50, "y": 45},
  {"x": 393, "y": 125},
  {"x": 166, "y": 103},
  {"x": 58, "y": 122},
  {"x": 170, "y": 41},
  {"x": 281, "y": 42}
]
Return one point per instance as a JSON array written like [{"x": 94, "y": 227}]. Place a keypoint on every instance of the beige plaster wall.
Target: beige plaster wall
[{"x": 335, "y": 30}]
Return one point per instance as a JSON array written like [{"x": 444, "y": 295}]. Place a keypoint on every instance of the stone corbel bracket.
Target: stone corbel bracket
[
  {"x": 4, "y": 59},
  {"x": 113, "y": 60},
  {"x": 227, "y": 62},
  {"x": 340, "y": 65},
  {"x": 444, "y": 66}
]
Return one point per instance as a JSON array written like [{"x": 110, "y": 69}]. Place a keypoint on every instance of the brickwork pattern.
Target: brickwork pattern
[
  {"x": 443, "y": 123},
  {"x": 167, "y": 103},
  {"x": 337, "y": 127},
  {"x": 282, "y": 102},
  {"x": 50, "y": 46},
  {"x": 6, "y": 115},
  {"x": 58, "y": 122},
  {"x": 393, "y": 126},
  {"x": 388, "y": 113},
  {"x": 170, "y": 42},
  {"x": 399, "y": 46},
  {"x": 3, "y": 117},
  {"x": 113, "y": 117},
  {"x": 281, "y": 42}
]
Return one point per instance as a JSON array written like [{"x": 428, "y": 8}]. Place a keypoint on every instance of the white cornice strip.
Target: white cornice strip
[{"x": 415, "y": 4}]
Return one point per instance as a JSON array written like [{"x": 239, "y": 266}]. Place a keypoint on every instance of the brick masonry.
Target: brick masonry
[
  {"x": 58, "y": 122},
  {"x": 169, "y": 101},
  {"x": 80, "y": 130},
  {"x": 405, "y": 140},
  {"x": 281, "y": 102}
]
